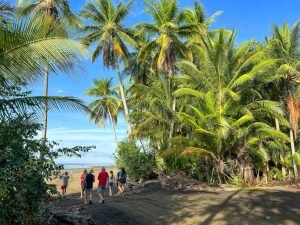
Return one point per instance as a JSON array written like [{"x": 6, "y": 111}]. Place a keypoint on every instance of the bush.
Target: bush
[
  {"x": 138, "y": 164},
  {"x": 23, "y": 176}
]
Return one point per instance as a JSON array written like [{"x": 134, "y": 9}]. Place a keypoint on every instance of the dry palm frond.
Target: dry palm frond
[
  {"x": 118, "y": 50},
  {"x": 193, "y": 150},
  {"x": 169, "y": 152}
]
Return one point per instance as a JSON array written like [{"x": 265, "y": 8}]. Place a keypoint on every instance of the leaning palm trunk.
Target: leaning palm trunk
[
  {"x": 293, "y": 154},
  {"x": 114, "y": 128},
  {"x": 281, "y": 154},
  {"x": 123, "y": 97},
  {"x": 45, "y": 113}
]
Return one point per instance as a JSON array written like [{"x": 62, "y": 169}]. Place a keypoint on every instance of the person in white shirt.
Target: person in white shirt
[{"x": 64, "y": 183}]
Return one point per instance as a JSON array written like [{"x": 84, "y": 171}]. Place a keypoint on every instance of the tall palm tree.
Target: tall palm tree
[
  {"x": 167, "y": 46},
  {"x": 106, "y": 106},
  {"x": 57, "y": 10},
  {"x": 284, "y": 46},
  {"x": 111, "y": 37}
]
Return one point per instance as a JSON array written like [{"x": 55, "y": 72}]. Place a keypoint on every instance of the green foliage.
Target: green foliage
[
  {"x": 23, "y": 188},
  {"x": 276, "y": 174},
  {"x": 138, "y": 164}
]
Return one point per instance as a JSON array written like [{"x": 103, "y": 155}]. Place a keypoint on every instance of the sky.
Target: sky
[{"x": 253, "y": 19}]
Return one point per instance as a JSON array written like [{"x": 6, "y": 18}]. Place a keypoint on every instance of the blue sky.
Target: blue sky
[{"x": 253, "y": 19}]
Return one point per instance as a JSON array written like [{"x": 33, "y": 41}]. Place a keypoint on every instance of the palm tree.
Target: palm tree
[
  {"x": 111, "y": 37},
  {"x": 106, "y": 106},
  {"x": 167, "y": 30},
  {"x": 57, "y": 10},
  {"x": 226, "y": 119},
  {"x": 26, "y": 44},
  {"x": 197, "y": 27},
  {"x": 284, "y": 46},
  {"x": 152, "y": 111},
  {"x": 140, "y": 71},
  {"x": 167, "y": 45}
]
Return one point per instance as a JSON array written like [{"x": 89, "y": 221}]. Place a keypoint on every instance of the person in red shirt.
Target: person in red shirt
[{"x": 103, "y": 183}]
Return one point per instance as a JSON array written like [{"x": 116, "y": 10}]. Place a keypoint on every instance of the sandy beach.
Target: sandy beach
[{"x": 74, "y": 180}]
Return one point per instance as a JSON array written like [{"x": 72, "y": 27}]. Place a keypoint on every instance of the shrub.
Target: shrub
[
  {"x": 138, "y": 164},
  {"x": 23, "y": 176}
]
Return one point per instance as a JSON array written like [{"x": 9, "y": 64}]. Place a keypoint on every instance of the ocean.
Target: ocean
[{"x": 84, "y": 166}]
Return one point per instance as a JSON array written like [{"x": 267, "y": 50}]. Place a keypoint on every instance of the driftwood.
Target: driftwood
[
  {"x": 64, "y": 217},
  {"x": 180, "y": 182}
]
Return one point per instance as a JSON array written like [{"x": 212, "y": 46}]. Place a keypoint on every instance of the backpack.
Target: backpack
[{"x": 122, "y": 175}]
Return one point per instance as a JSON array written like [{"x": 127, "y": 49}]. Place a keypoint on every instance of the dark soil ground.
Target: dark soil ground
[{"x": 157, "y": 206}]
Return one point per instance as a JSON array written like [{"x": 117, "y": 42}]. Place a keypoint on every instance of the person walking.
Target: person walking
[
  {"x": 64, "y": 183},
  {"x": 82, "y": 182},
  {"x": 103, "y": 183},
  {"x": 111, "y": 180},
  {"x": 122, "y": 177},
  {"x": 88, "y": 188}
]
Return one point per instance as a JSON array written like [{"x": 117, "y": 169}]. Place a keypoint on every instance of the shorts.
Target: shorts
[
  {"x": 101, "y": 188},
  {"x": 63, "y": 187},
  {"x": 122, "y": 181},
  {"x": 88, "y": 189},
  {"x": 111, "y": 184}
]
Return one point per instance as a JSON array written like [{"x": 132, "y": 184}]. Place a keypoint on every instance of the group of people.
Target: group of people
[{"x": 106, "y": 180}]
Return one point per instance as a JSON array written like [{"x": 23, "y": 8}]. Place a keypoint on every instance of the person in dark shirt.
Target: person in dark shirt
[{"x": 89, "y": 180}]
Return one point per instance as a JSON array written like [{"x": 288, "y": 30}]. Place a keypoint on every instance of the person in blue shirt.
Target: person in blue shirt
[{"x": 88, "y": 188}]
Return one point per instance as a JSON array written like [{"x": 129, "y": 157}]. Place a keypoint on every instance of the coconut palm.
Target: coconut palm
[
  {"x": 167, "y": 46},
  {"x": 284, "y": 46},
  {"x": 106, "y": 106},
  {"x": 222, "y": 118},
  {"x": 167, "y": 30},
  {"x": 152, "y": 111},
  {"x": 24, "y": 44},
  {"x": 111, "y": 37},
  {"x": 139, "y": 71},
  {"x": 196, "y": 20},
  {"x": 57, "y": 10}
]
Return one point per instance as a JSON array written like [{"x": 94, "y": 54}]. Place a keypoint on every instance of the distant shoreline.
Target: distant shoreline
[{"x": 85, "y": 166}]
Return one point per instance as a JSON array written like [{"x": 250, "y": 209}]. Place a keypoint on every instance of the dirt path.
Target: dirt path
[{"x": 155, "y": 206}]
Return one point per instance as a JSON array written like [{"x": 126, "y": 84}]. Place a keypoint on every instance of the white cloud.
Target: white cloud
[
  {"x": 102, "y": 139},
  {"x": 60, "y": 91}
]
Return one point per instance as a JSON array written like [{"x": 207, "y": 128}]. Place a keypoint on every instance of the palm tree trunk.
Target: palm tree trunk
[
  {"x": 281, "y": 154},
  {"x": 45, "y": 113},
  {"x": 172, "y": 122},
  {"x": 114, "y": 128},
  {"x": 293, "y": 154},
  {"x": 123, "y": 97},
  {"x": 170, "y": 72}
]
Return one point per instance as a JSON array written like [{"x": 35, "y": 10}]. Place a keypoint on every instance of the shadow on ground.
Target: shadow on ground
[{"x": 157, "y": 206}]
